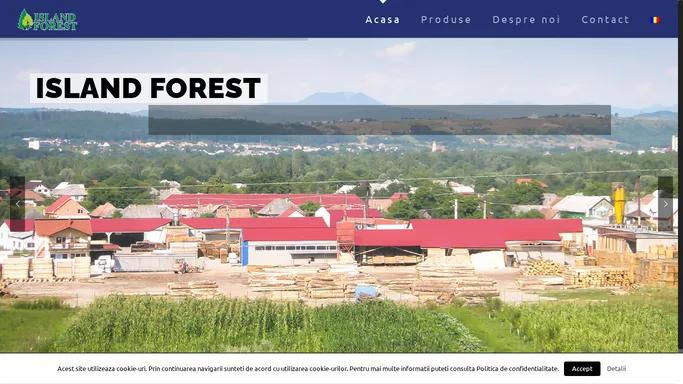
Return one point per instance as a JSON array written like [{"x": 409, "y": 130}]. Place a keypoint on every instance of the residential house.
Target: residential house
[
  {"x": 28, "y": 197},
  {"x": 584, "y": 207},
  {"x": 77, "y": 191},
  {"x": 461, "y": 188},
  {"x": 38, "y": 187},
  {"x": 146, "y": 211},
  {"x": 17, "y": 235},
  {"x": 66, "y": 208},
  {"x": 293, "y": 212},
  {"x": 384, "y": 204},
  {"x": 62, "y": 238},
  {"x": 276, "y": 207},
  {"x": 105, "y": 210}
]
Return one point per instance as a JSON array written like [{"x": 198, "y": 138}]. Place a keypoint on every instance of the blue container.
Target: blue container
[
  {"x": 245, "y": 253},
  {"x": 366, "y": 292}
]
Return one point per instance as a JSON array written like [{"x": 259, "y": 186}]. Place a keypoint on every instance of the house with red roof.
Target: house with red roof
[
  {"x": 62, "y": 238},
  {"x": 66, "y": 207}
]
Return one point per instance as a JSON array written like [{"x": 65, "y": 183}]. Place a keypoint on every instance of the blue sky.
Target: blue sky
[{"x": 633, "y": 73}]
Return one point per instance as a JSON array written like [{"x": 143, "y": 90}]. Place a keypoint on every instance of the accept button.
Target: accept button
[{"x": 582, "y": 368}]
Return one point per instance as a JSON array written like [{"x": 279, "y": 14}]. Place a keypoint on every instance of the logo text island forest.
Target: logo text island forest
[{"x": 44, "y": 21}]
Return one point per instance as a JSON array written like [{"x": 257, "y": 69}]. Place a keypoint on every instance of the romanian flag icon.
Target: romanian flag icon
[{"x": 655, "y": 20}]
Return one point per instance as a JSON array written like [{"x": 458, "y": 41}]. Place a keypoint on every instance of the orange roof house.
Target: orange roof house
[
  {"x": 66, "y": 208},
  {"x": 50, "y": 227},
  {"x": 105, "y": 210}
]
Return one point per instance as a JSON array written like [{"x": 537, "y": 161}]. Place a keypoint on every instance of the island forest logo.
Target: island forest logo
[{"x": 44, "y": 21}]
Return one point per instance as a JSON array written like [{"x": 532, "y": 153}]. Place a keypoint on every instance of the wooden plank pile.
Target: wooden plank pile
[
  {"x": 64, "y": 269},
  {"x": 280, "y": 282},
  {"x": 585, "y": 261},
  {"x": 392, "y": 260},
  {"x": 82, "y": 267},
  {"x": 201, "y": 288},
  {"x": 540, "y": 267},
  {"x": 399, "y": 285},
  {"x": 323, "y": 281},
  {"x": 662, "y": 272},
  {"x": 644, "y": 267},
  {"x": 42, "y": 268},
  {"x": 145, "y": 246},
  {"x": 538, "y": 283},
  {"x": 16, "y": 268},
  {"x": 593, "y": 277},
  {"x": 440, "y": 282}
]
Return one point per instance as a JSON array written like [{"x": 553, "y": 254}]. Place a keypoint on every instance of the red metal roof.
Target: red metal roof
[
  {"x": 20, "y": 225},
  {"x": 290, "y": 234},
  {"x": 127, "y": 225},
  {"x": 387, "y": 238},
  {"x": 57, "y": 204},
  {"x": 490, "y": 233},
  {"x": 254, "y": 222},
  {"x": 48, "y": 227},
  {"x": 257, "y": 200}
]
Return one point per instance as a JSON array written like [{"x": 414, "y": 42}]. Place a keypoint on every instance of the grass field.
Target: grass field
[
  {"x": 596, "y": 321},
  {"x": 578, "y": 321},
  {"x": 32, "y": 326}
]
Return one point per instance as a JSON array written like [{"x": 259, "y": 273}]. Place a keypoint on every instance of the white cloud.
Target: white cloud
[{"x": 398, "y": 50}]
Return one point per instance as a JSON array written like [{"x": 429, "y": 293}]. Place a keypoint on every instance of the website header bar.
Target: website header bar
[{"x": 329, "y": 18}]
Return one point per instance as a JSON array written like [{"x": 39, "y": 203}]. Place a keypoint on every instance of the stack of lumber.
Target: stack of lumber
[
  {"x": 543, "y": 268},
  {"x": 82, "y": 267},
  {"x": 584, "y": 261},
  {"x": 662, "y": 272},
  {"x": 216, "y": 249},
  {"x": 16, "y": 268},
  {"x": 392, "y": 260},
  {"x": 585, "y": 277},
  {"x": 644, "y": 267},
  {"x": 42, "y": 268},
  {"x": 190, "y": 246},
  {"x": 323, "y": 281},
  {"x": 399, "y": 285},
  {"x": 457, "y": 280},
  {"x": 202, "y": 288},
  {"x": 280, "y": 282},
  {"x": 145, "y": 246},
  {"x": 538, "y": 283},
  {"x": 64, "y": 269}
]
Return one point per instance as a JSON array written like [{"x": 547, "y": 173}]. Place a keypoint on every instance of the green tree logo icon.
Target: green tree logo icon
[{"x": 25, "y": 21}]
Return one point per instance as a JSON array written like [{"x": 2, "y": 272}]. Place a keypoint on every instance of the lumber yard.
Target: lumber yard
[{"x": 343, "y": 248}]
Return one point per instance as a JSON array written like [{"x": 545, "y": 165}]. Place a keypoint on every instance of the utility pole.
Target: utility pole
[
  {"x": 455, "y": 209},
  {"x": 227, "y": 229},
  {"x": 484, "y": 209},
  {"x": 638, "y": 197}
]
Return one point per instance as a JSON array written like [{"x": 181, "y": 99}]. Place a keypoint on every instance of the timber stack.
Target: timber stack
[
  {"x": 437, "y": 283},
  {"x": 543, "y": 268},
  {"x": 323, "y": 281},
  {"x": 595, "y": 277},
  {"x": 202, "y": 288}
]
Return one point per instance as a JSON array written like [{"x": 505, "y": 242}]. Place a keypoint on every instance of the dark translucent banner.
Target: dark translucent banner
[{"x": 381, "y": 120}]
